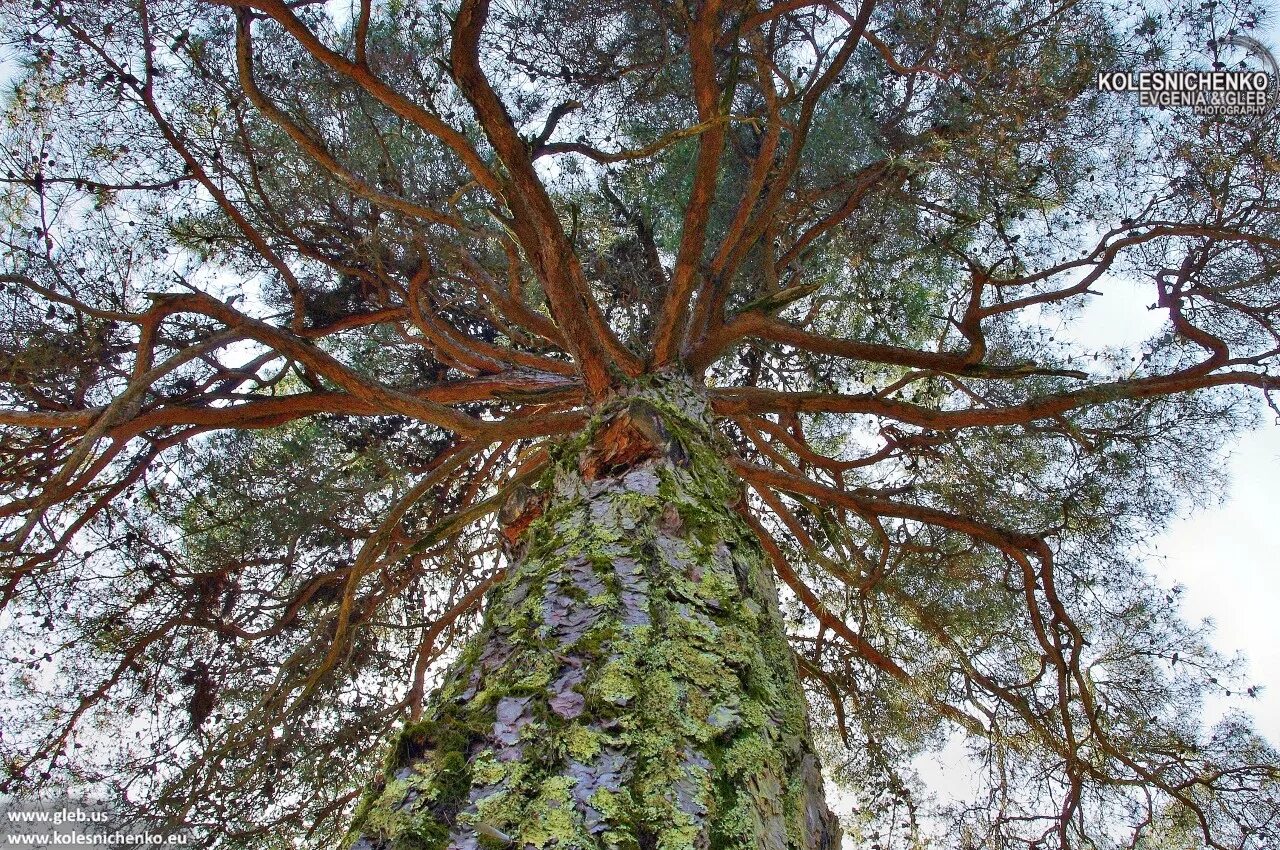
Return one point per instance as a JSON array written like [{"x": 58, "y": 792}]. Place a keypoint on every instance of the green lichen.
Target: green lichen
[
  {"x": 486, "y": 769},
  {"x": 583, "y": 744},
  {"x": 535, "y": 681},
  {"x": 550, "y": 820}
]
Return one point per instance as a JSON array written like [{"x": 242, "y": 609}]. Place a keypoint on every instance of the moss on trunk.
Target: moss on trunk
[{"x": 631, "y": 686}]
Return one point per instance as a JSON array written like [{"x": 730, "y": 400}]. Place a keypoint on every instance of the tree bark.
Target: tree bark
[{"x": 631, "y": 685}]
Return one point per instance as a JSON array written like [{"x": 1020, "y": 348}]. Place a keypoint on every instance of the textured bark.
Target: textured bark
[{"x": 632, "y": 685}]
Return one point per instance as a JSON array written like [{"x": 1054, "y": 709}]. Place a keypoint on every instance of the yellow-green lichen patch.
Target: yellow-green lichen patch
[
  {"x": 581, "y": 743},
  {"x": 487, "y": 770},
  {"x": 550, "y": 819}
]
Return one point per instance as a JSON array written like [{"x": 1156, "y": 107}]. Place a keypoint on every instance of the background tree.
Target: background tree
[{"x": 319, "y": 321}]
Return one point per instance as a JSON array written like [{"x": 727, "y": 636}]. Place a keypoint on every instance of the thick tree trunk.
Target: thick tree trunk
[{"x": 631, "y": 686}]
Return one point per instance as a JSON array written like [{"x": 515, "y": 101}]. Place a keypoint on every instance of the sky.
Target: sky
[
  {"x": 1228, "y": 556},
  {"x": 1225, "y": 554}
]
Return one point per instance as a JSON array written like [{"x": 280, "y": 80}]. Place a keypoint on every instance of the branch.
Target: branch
[
  {"x": 855, "y": 641},
  {"x": 672, "y": 315},
  {"x": 535, "y": 221},
  {"x": 763, "y": 326},
  {"x": 402, "y": 106},
  {"x": 315, "y": 149},
  {"x": 755, "y": 401}
]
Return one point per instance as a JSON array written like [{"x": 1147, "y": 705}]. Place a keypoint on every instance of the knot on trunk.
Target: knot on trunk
[
  {"x": 634, "y": 434},
  {"x": 521, "y": 508}
]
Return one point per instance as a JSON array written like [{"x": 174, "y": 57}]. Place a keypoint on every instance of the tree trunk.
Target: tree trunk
[{"x": 631, "y": 685}]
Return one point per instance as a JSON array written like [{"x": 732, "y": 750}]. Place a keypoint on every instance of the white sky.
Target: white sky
[
  {"x": 1223, "y": 554},
  {"x": 1228, "y": 557}
]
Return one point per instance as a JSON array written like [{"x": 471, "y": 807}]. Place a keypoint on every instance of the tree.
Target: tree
[{"x": 547, "y": 343}]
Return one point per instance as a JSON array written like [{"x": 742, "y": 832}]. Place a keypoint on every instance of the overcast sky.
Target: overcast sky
[{"x": 1228, "y": 557}]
